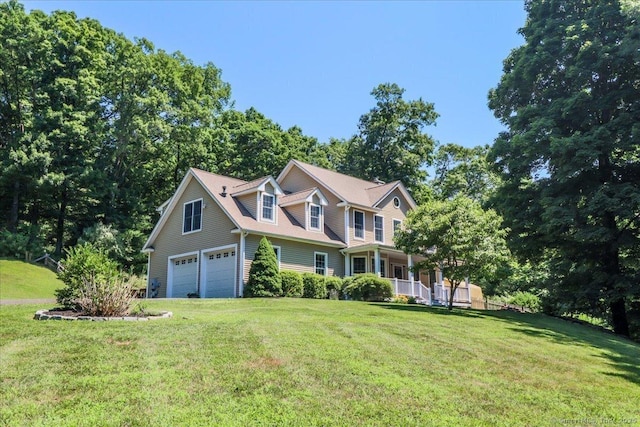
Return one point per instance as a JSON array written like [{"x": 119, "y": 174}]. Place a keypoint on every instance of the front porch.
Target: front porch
[{"x": 428, "y": 287}]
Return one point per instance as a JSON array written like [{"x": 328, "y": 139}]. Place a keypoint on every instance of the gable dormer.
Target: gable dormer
[
  {"x": 307, "y": 207},
  {"x": 260, "y": 198}
]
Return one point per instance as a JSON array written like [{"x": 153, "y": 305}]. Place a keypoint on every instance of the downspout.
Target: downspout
[{"x": 243, "y": 234}]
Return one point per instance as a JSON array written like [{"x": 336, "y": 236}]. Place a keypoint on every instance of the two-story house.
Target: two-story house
[{"x": 317, "y": 220}]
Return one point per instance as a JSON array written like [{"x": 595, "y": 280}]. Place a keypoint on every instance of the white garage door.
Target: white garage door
[
  {"x": 185, "y": 276},
  {"x": 220, "y": 274}
]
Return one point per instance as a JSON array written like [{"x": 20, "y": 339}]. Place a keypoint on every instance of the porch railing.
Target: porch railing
[
  {"x": 411, "y": 288},
  {"x": 442, "y": 293}
]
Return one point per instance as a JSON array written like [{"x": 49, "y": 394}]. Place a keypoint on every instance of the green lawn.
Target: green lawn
[
  {"x": 294, "y": 362},
  {"x": 22, "y": 280}
]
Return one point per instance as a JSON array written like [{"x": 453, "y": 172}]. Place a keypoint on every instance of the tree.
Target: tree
[
  {"x": 264, "y": 275},
  {"x": 464, "y": 171},
  {"x": 570, "y": 159},
  {"x": 457, "y": 236},
  {"x": 391, "y": 143}
]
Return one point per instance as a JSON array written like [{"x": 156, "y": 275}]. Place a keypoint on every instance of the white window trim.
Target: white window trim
[
  {"x": 374, "y": 228},
  {"x": 364, "y": 226},
  {"x": 393, "y": 224},
  {"x": 320, "y": 218},
  {"x": 393, "y": 202},
  {"x": 366, "y": 264},
  {"x": 326, "y": 262},
  {"x": 278, "y": 253},
  {"x": 273, "y": 207},
  {"x": 184, "y": 207}
]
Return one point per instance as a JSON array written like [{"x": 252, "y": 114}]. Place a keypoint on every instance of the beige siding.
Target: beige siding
[
  {"x": 216, "y": 231},
  {"x": 296, "y": 256},
  {"x": 250, "y": 202},
  {"x": 298, "y": 212},
  {"x": 390, "y": 213},
  {"x": 296, "y": 180}
]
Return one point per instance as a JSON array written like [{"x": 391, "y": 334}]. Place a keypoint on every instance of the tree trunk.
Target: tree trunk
[
  {"x": 619, "y": 317},
  {"x": 12, "y": 224},
  {"x": 62, "y": 213}
]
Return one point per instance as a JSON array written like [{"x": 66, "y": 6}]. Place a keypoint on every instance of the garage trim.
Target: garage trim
[
  {"x": 203, "y": 268},
  {"x": 170, "y": 270}
]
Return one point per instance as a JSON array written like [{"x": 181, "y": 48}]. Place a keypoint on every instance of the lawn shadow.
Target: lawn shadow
[{"x": 622, "y": 354}]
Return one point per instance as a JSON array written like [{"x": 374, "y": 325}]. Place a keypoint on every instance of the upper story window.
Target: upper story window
[
  {"x": 268, "y": 202},
  {"x": 396, "y": 225},
  {"x": 358, "y": 224},
  {"x": 396, "y": 202},
  {"x": 378, "y": 228},
  {"x": 315, "y": 214},
  {"x": 192, "y": 218}
]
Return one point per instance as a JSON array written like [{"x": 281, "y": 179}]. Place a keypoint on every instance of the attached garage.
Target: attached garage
[
  {"x": 219, "y": 273},
  {"x": 183, "y": 273}
]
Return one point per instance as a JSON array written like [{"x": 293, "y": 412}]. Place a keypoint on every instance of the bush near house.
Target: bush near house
[
  {"x": 369, "y": 287},
  {"x": 264, "y": 275},
  {"x": 314, "y": 286},
  {"x": 292, "y": 284},
  {"x": 334, "y": 287}
]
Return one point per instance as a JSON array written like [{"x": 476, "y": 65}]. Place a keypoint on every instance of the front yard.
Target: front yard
[{"x": 303, "y": 362}]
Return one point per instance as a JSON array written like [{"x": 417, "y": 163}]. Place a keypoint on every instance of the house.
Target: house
[{"x": 317, "y": 221}]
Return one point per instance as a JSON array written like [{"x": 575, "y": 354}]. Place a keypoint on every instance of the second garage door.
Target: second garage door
[{"x": 220, "y": 274}]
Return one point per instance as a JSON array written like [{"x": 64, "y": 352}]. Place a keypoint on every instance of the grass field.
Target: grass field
[
  {"x": 294, "y": 362},
  {"x": 22, "y": 280}
]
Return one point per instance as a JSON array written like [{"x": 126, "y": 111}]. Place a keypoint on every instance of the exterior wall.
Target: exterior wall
[
  {"x": 216, "y": 228},
  {"x": 296, "y": 256},
  {"x": 390, "y": 212},
  {"x": 250, "y": 201},
  {"x": 296, "y": 180},
  {"x": 298, "y": 212}
]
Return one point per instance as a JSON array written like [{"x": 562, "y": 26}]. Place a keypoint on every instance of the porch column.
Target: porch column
[
  {"x": 347, "y": 265},
  {"x": 410, "y": 266},
  {"x": 376, "y": 261}
]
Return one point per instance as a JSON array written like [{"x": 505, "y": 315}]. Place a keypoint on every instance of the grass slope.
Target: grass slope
[
  {"x": 22, "y": 280},
  {"x": 294, "y": 362}
]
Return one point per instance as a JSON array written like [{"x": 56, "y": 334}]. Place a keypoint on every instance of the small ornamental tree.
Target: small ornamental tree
[
  {"x": 457, "y": 236},
  {"x": 264, "y": 275}
]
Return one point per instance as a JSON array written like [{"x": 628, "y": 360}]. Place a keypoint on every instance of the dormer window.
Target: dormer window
[
  {"x": 315, "y": 217},
  {"x": 192, "y": 218},
  {"x": 268, "y": 203}
]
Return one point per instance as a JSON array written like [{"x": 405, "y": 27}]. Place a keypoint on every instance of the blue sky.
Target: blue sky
[{"x": 314, "y": 63}]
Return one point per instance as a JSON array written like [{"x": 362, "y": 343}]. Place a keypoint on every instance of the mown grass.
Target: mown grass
[
  {"x": 23, "y": 280},
  {"x": 294, "y": 362}
]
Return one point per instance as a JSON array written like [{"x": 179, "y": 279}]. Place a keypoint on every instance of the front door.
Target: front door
[{"x": 398, "y": 272}]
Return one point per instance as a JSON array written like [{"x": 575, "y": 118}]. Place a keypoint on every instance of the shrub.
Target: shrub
[
  {"x": 401, "y": 299},
  {"x": 292, "y": 284},
  {"x": 369, "y": 287},
  {"x": 15, "y": 245},
  {"x": 264, "y": 275},
  {"x": 84, "y": 264},
  {"x": 107, "y": 297},
  {"x": 334, "y": 287},
  {"x": 314, "y": 286},
  {"x": 525, "y": 299}
]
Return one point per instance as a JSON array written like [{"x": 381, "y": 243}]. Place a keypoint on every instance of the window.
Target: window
[
  {"x": 396, "y": 202},
  {"x": 359, "y": 265},
  {"x": 321, "y": 263},
  {"x": 315, "y": 211},
  {"x": 358, "y": 224},
  {"x": 192, "y": 219},
  {"x": 378, "y": 228},
  {"x": 277, "y": 250},
  {"x": 267, "y": 207},
  {"x": 396, "y": 225},
  {"x": 383, "y": 266}
]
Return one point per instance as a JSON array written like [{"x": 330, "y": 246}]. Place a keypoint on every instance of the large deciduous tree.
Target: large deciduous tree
[
  {"x": 391, "y": 143},
  {"x": 570, "y": 159},
  {"x": 457, "y": 236}
]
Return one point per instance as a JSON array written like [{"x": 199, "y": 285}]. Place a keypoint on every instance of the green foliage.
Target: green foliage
[
  {"x": 400, "y": 299},
  {"x": 314, "y": 286},
  {"x": 334, "y": 287},
  {"x": 14, "y": 245},
  {"x": 292, "y": 285},
  {"x": 524, "y": 299},
  {"x": 369, "y": 287},
  {"x": 264, "y": 275},
  {"x": 457, "y": 236},
  {"x": 391, "y": 143},
  {"x": 83, "y": 264},
  {"x": 569, "y": 160},
  {"x": 110, "y": 296}
]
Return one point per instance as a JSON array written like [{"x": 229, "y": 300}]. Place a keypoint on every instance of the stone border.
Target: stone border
[{"x": 41, "y": 315}]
